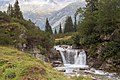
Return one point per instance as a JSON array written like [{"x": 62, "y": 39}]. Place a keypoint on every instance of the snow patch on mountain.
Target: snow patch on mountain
[
  {"x": 38, "y": 6},
  {"x": 57, "y": 17},
  {"x": 39, "y": 10}
]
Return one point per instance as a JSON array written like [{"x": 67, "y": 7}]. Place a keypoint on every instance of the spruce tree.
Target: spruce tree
[
  {"x": 12, "y": 11},
  {"x": 75, "y": 22},
  {"x": 17, "y": 12},
  {"x": 60, "y": 28},
  {"x": 68, "y": 25},
  {"x": 55, "y": 31},
  {"x": 9, "y": 10},
  {"x": 48, "y": 27}
]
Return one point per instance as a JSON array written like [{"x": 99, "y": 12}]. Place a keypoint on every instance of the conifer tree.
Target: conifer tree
[
  {"x": 9, "y": 10},
  {"x": 12, "y": 11},
  {"x": 55, "y": 31},
  {"x": 48, "y": 27},
  {"x": 75, "y": 22},
  {"x": 17, "y": 12},
  {"x": 68, "y": 25},
  {"x": 60, "y": 28}
]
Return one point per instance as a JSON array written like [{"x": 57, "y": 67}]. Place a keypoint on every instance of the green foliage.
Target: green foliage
[
  {"x": 10, "y": 34},
  {"x": 20, "y": 66},
  {"x": 60, "y": 29},
  {"x": 43, "y": 50},
  {"x": 15, "y": 11},
  {"x": 4, "y": 18},
  {"x": 55, "y": 31},
  {"x": 48, "y": 28},
  {"x": 16, "y": 32},
  {"x": 112, "y": 50},
  {"x": 76, "y": 39},
  {"x": 108, "y": 14},
  {"x": 99, "y": 30},
  {"x": 100, "y": 18},
  {"x": 68, "y": 25}
]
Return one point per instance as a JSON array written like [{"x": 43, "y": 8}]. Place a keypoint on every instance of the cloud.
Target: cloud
[{"x": 39, "y": 6}]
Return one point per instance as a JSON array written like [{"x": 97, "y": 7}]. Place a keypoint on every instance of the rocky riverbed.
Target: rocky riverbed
[
  {"x": 76, "y": 71},
  {"x": 94, "y": 74}
]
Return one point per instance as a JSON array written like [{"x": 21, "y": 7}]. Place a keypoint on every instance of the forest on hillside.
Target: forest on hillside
[{"x": 98, "y": 33}]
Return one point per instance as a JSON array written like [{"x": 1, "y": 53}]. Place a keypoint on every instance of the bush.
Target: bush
[
  {"x": 112, "y": 50},
  {"x": 42, "y": 50}
]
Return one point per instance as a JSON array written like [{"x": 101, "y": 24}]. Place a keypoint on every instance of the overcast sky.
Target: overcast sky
[{"x": 38, "y": 5}]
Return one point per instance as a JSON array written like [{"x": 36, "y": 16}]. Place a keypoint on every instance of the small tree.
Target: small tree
[
  {"x": 68, "y": 25},
  {"x": 17, "y": 12},
  {"x": 9, "y": 10},
  {"x": 48, "y": 27},
  {"x": 75, "y": 22},
  {"x": 55, "y": 31},
  {"x": 12, "y": 11},
  {"x": 60, "y": 29}
]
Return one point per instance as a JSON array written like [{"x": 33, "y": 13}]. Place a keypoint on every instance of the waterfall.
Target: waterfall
[
  {"x": 81, "y": 58},
  {"x": 63, "y": 57},
  {"x": 73, "y": 59}
]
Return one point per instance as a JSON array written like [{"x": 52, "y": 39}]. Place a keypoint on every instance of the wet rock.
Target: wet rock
[
  {"x": 54, "y": 56},
  {"x": 56, "y": 63}
]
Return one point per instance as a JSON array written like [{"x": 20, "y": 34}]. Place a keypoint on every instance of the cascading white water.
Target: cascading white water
[
  {"x": 72, "y": 58},
  {"x": 81, "y": 58},
  {"x": 63, "y": 57}
]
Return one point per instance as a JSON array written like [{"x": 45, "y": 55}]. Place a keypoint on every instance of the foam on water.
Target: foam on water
[{"x": 73, "y": 59}]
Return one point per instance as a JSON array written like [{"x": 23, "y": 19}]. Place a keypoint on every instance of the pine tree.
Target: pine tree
[
  {"x": 68, "y": 25},
  {"x": 12, "y": 11},
  {"x": 55, "y": 31},
  {"x": 17, "y": 12},
  {"x": 48, "y": 27},
  {"x": 60, "y": 29},
  {"x": 9, "y": 10},
  {"x": 92, "y": 5},
  {"x": 75, "y": 22}
]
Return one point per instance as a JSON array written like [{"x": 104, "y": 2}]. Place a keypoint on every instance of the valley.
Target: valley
[{"x": 59, "y": 40}]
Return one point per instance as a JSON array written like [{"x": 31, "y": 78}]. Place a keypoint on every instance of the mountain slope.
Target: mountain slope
[
  {"x": 36, "y": 6},
  {"x": 38, "y": 10},
  {"x": 16, "y": 65},
  {"x": 55, "y": 17}
]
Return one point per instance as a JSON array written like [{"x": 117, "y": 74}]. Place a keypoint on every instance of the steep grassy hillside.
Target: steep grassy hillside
[
  {"x": 23, "y": 34},
  {"x": 16, "y": 65}
]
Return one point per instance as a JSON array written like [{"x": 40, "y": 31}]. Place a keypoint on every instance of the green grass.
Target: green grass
[{"x": 16, "y": 65}]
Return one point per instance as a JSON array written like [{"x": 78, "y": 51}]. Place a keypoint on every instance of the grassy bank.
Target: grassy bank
[{"x": 16, "y": 65}]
